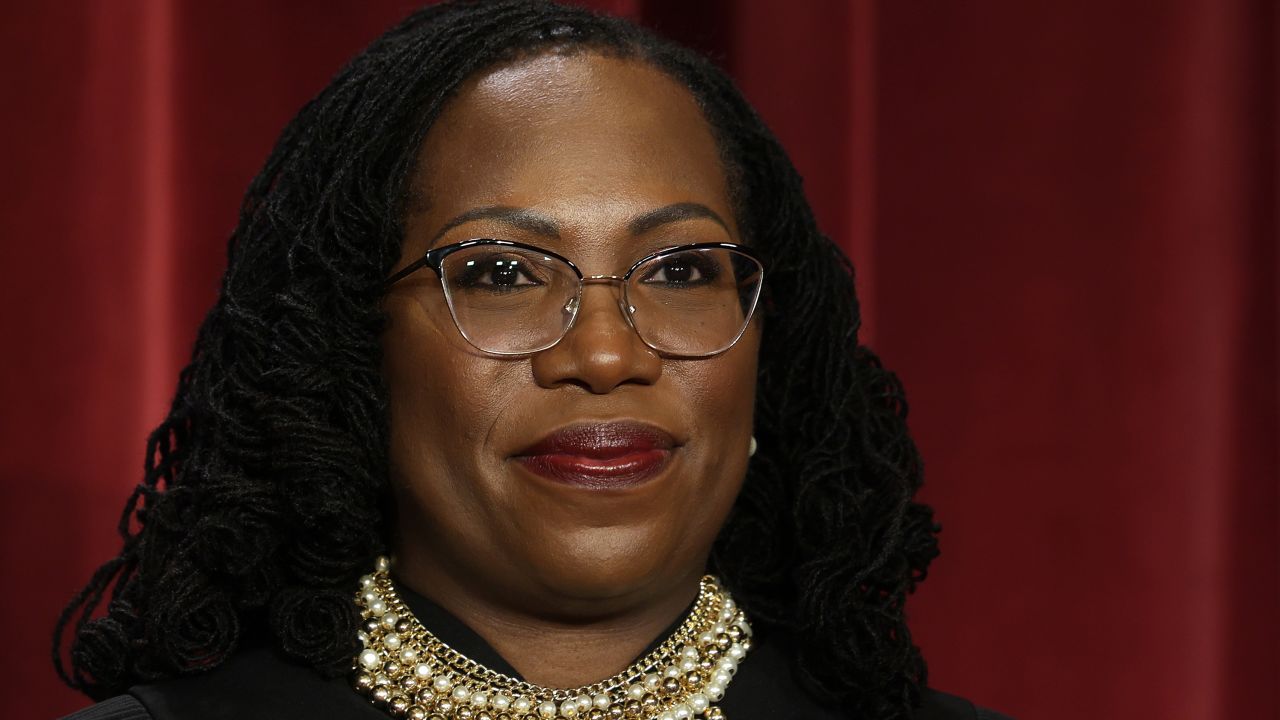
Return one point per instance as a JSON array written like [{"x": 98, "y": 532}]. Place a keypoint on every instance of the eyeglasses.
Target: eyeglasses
[{"x": 509, "y": 298}]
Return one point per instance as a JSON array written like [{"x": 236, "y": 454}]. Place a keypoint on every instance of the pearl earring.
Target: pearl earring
[{"x": 751, "y": 449}]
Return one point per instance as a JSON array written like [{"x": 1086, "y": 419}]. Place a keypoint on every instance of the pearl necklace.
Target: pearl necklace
[{"x": 410, "y": 673}]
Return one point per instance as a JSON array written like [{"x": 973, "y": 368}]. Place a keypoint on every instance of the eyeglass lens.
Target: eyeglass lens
[{"x": 687, "y": 302}]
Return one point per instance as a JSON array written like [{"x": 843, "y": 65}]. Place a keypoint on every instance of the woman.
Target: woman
[{"x": 526, "y": 328}]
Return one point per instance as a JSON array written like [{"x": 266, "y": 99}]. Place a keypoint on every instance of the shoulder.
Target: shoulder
[
  {"x": 938, "y": 705},
  {"x": 251, "y": 685},
  {"x": 121, "y": 707},
  {"x": 260, "y": 685}
]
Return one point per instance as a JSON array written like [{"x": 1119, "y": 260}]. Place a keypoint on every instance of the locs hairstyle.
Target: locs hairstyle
[{"x": 265, "y": 488}]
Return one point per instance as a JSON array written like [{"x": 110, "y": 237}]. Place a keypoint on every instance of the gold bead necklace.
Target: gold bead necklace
[{"x": 410, "y": 673}]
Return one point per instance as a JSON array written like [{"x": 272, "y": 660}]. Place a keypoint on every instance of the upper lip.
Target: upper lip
[{"x": 602, "y": 440}]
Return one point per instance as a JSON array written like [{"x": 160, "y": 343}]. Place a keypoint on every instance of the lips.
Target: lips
[{"x": 600, "y": 455}]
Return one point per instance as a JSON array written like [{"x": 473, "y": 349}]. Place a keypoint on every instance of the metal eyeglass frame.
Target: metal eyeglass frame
[{"x": 435, "y": 257}]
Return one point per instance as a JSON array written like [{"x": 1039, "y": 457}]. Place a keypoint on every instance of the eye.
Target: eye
[
  {"x": 680, "y": 270},
  {"x": 497, "y": 272}
]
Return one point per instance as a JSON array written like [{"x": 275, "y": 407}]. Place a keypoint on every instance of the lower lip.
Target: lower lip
[{"x": 615, "y": 472}]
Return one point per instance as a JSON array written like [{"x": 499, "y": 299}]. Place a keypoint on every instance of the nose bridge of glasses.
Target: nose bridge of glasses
[{"x": 620, "y": 299}]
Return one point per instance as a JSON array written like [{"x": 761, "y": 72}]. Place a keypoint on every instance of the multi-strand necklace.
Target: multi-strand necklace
[{"x": 410, "y": 673}]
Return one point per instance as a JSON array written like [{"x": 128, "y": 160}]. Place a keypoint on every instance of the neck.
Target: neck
[{"x": 561, "y": 643}]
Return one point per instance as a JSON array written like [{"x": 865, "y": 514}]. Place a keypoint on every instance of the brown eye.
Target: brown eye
[
  {"x": 497, "y": 272},
  {"x": 681, "y": 270}
]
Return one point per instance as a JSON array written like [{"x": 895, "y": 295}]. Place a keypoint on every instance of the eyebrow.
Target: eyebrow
[
  {"x": 674, "y": 213},
  {"x": 518, "y": 218},
  {"x": 530, "y": 221}
]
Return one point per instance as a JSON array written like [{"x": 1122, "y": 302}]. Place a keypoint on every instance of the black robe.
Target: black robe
[{"x": 259, "y": 684}]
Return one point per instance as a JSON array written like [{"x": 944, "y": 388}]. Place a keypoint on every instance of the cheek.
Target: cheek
[
  {"x": 720, "y": 396},
  {"x": 444, "y": 401},
  {"x": 722, "y": 392}
]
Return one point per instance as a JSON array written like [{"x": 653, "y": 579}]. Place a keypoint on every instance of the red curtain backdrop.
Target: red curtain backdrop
[{"x": 1064, "y": 217}]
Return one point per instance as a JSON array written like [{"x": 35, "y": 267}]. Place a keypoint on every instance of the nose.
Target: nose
[{"x": 602, "y": 351}]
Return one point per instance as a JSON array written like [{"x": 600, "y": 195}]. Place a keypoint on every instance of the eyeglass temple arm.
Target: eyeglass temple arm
[{"x": 429, "y": 260}]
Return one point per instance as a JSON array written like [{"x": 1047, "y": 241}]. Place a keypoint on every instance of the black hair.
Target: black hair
[{"x": 265, "y": 488}]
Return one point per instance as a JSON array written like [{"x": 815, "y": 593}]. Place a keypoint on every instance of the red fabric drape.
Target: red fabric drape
[{"x": 1064, "y": 218}]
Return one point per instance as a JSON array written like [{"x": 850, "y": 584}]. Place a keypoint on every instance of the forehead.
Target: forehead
[{"x": 586, "y": 139}]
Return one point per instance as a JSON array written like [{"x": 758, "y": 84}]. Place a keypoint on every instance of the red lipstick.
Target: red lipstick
[{"x": 600, "y": 455}]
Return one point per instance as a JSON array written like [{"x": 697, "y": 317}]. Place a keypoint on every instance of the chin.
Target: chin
[{"x": 608, "y": 565}]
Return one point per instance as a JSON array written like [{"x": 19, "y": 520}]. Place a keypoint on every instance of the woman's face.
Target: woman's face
[{"x": 580, "y": 148}]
